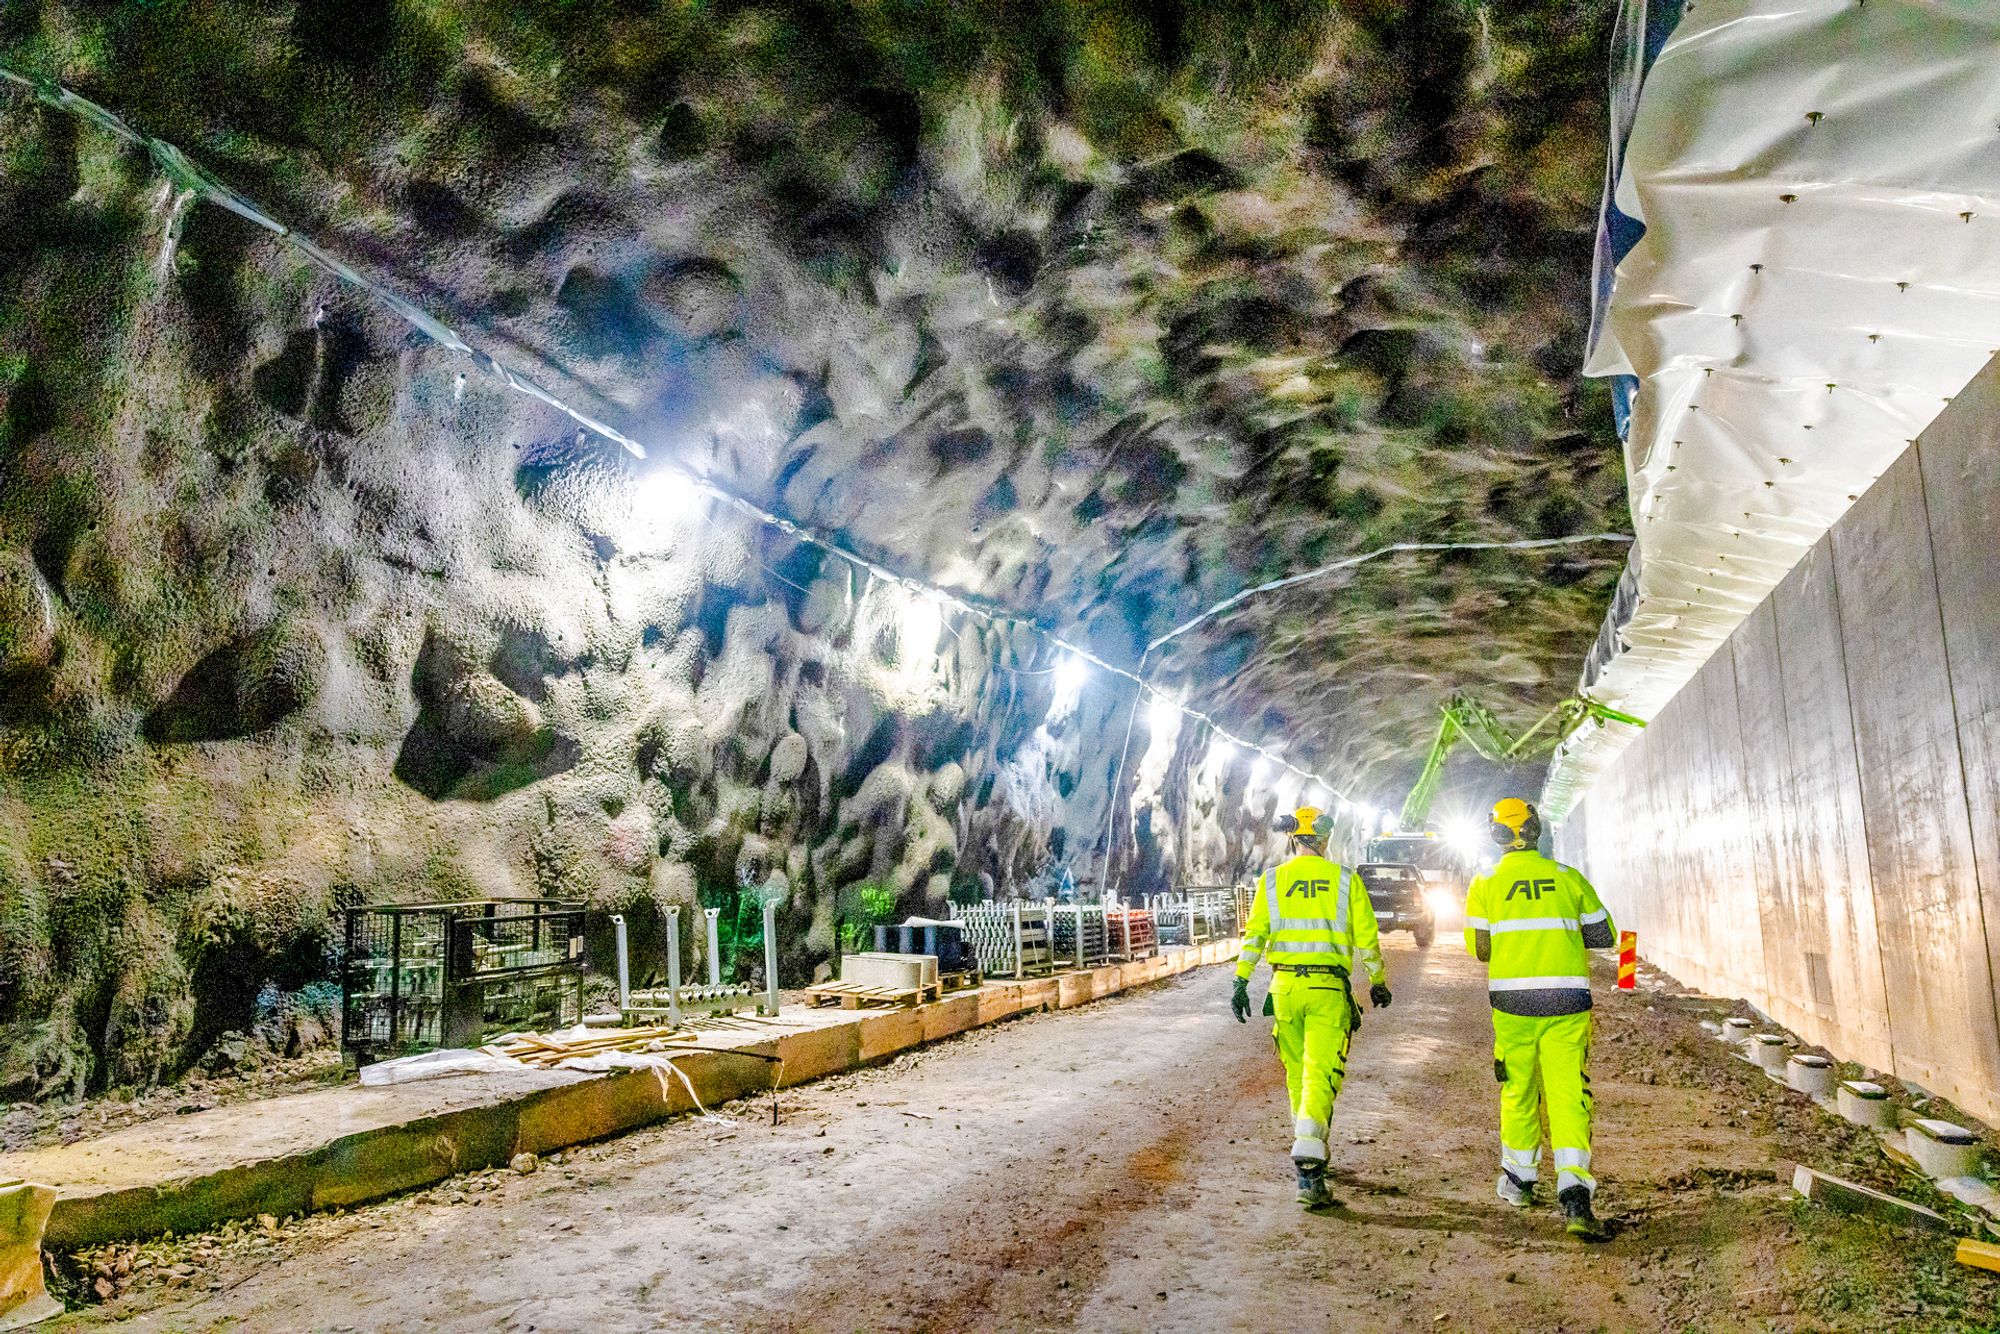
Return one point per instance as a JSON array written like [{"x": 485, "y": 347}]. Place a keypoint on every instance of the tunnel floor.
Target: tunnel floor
[{"x": 1121, "y": 1166}]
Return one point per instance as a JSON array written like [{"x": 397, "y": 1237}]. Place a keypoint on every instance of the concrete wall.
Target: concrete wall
[{"x": 1811, "y": 823}]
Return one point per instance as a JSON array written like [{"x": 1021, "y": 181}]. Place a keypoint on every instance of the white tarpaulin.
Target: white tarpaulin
[{"x": 1820, "y": 273}]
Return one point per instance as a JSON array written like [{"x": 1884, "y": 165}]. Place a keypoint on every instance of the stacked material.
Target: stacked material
[
  {"x": 1133, "y": 933},
  {"x": 1067, "y": 919},
  {"x": 991, "y": 929},
  {"x": 944, "y": 941},
  {"x": 548, "y": 1050}
]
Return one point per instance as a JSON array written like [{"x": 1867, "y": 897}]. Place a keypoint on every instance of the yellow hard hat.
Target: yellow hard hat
[
  {"x": 1305, "y": 821},
  {"x": 1515, "y": 823}
]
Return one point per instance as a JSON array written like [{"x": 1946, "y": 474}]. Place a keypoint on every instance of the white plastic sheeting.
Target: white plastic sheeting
[{"x": 1820, "y": 273}]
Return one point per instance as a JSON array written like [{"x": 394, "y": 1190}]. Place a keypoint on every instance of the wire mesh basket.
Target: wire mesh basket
[{"x": 418, "y": 976}]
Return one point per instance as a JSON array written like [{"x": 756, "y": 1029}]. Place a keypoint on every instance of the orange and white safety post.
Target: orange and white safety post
[{"x": 1628, "y": 960}]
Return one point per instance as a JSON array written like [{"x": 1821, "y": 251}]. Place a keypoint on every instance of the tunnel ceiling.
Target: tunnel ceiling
[{"x": 1098, "y": 312}]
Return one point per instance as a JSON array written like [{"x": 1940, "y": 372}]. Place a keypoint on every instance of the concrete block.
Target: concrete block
[
  {"x": 1810, "y": 1074},
  {"x": 1851, "y": 1198},
  {"x": 1736, "y": 1031},
  {"x": 897, "y": 971},
  {"x": 1866, "y": 1104},
  {"x": 1941, "y": 1148},
  {"x": 1768, "y": 1051},
  {"x": 24, "y": 1213}
]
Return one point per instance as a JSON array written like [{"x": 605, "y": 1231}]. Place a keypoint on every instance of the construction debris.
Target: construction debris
[
  {"x": 1850, "y": 1197},
  {"x": 548, "y": 1050}
]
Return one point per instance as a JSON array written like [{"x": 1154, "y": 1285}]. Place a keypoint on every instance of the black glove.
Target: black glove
[
  {"x": 1378, "y": 995},
  {"x": 1239, "y": 1000}
]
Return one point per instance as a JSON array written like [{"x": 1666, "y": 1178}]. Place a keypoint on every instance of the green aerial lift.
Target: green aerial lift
[{"x": 1467, "y": 719}]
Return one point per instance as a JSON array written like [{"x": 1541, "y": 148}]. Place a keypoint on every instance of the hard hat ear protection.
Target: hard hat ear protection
[
  {"x": 1302, "y": 823},
  {"x": 1516, "y": 824}
]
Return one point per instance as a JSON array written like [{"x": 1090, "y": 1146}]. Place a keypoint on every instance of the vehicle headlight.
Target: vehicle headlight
[{"x": 1441, "y": 902}]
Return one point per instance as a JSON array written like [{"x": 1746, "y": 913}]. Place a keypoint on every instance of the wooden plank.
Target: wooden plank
[
  {"x": 1929, "y": 911},
  {"x": 1850, "y": 1197}
]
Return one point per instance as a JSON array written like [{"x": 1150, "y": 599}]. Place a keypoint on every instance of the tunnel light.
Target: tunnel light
[
  {"x": 1466, "y": 838},
  {"x": 1221, "y": 751},
  {"x": 918, "y": 625},
  {"x": 1161, "y": 714},
  {"x": 1072, "y": 672},
  {"x": 1266, "y": 767},
  {"x": 665, "y": 503}
]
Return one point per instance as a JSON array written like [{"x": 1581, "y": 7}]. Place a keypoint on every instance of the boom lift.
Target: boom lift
[{"x": 1466, "y": 719}]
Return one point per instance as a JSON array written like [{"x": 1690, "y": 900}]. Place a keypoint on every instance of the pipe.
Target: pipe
[
  {"x": 674, "y": 965},
  {"x": 770, "y": 956},
  {"x": 624, "y": 966},
  {"x": 714, "y": 946}
]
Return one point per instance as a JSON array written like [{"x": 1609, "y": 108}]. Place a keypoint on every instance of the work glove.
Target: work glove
[
  {"x": 1378, "y": 995},
  {"x": 1239, "y": 1000}
]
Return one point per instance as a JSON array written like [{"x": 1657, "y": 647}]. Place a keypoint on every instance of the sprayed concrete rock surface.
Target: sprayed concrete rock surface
[{"x": 1096, "y": 314}]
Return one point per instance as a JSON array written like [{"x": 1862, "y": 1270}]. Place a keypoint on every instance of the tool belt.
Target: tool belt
[{"x": 1311, "y": 969}]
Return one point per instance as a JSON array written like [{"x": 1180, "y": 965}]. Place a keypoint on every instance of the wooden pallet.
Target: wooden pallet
[
  {"x": 959, "y": 981},
  {"x": 854, "y": 996}
]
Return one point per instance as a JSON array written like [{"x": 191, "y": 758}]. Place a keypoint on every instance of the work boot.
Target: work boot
[
  {"x": 1578, "y": 1220},
  {"x": 1313, "y": 1193},
  {"x": 1515, "y": 1191}
]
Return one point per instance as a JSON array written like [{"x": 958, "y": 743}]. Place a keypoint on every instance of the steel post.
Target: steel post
[
  {"x": 1020, "y": 964},
  {"x": 714, "y": 915},
  {"x": 624, "y": 965},
  {"x": 674, "y": 966},
  {"x": 770, "y": 956}
]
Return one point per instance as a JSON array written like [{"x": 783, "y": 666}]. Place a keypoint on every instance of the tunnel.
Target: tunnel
[{"x": 668, "y": 509}]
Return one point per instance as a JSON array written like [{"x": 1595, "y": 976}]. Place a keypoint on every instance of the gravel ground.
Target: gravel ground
[{"x": 1118, "y": 1166}]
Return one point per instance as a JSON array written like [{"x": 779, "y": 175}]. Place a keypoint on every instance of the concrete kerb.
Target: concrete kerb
[{"x": 380, "y": 1161}]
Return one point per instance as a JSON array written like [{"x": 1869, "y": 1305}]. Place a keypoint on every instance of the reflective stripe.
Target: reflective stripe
[
  {"x": 1538, "y": 984},
  {"x": 1309, "y": 947},
  {"x": 1309, "y": 1150},
  {"x": 1600, "y": 915},
  {"x": 1307, "y": 1128},
  {"x": 1301, "y": 924},
  {"x": 1573, "y": 1158},
  {"x": 1250, "y": 952},
  {"x": 1476, "y": 923},
  {"x": 1536, "y": 924},
  {"x": 1523, "y": 1163}
]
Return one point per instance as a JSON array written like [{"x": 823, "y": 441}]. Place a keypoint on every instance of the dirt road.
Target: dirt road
[{"x": 1122, "y": 1166}]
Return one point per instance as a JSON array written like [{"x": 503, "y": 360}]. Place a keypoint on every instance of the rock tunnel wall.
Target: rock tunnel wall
[
  {"x": 292, "y": 617},
  {"x": 1814, "y": 822}
]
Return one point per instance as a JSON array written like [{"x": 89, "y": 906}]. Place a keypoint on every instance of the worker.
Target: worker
[
  {"x": 1530, "y": 919},
  {"x": 1311, "y": 919}
]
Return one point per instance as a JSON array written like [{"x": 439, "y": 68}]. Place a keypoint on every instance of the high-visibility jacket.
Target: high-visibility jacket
[
  {"x": 1539, "y": 918},
  {"x": 1311, "y": 912}
]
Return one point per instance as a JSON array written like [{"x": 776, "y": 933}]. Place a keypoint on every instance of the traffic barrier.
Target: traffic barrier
[{"x": 1628, "y": 960}]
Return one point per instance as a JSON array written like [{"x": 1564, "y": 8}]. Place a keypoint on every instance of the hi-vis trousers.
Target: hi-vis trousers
[
  {"x": 1537, "y": 1061},
  {"x": 1314, "y": 1023}
]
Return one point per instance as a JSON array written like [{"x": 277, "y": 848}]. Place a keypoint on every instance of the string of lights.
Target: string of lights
[{"x": 191, "y": 177}]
